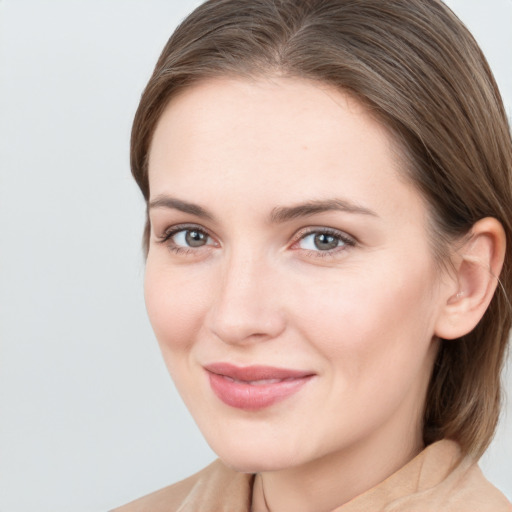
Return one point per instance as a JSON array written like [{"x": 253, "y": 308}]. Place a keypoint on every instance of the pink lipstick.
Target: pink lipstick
[{"x": 254, "y": 387}]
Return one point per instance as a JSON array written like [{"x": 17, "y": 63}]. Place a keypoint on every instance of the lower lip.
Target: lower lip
[{"x": 252, "y": 397}]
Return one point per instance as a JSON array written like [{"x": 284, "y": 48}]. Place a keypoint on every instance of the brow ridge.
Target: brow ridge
[
  {"x": 163, "y": 201},
  {"x": 287, "y": 213},
  {"x": 279, "y": 214}
]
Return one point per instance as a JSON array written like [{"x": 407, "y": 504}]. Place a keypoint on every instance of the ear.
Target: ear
[{"x": 477, "y": 267}]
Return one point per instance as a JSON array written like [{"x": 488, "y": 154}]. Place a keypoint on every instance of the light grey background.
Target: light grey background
[{"x": 89, "y": 417}]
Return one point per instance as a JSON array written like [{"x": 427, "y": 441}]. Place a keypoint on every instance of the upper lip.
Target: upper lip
[{"x": 256, "y": 372}]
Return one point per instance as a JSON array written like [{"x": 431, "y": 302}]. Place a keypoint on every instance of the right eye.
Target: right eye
[
  {"x": 190, "y": 238},
  {"x": 186, "y": 239}
]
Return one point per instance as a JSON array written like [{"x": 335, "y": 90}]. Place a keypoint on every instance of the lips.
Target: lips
[{"x": 254, "y": 387}]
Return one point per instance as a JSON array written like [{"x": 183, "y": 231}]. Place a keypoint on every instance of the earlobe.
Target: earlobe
[{"x": 474, "y": 280}]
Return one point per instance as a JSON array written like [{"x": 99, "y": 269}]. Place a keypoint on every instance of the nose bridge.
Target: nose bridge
[{"x": 246, "y": 306}]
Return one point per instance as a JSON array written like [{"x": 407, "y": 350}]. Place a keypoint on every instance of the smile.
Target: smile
[{"x": 254, "y": 387}]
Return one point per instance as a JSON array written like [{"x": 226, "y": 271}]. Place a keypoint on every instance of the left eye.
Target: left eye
[{"x": 320, "y": 241}]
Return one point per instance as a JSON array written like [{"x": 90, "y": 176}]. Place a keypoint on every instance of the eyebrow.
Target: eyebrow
[
  {"x": 287, "y": 213},
  {"x": 278, "y": 215},
  {"x": 182, "y": 206}
]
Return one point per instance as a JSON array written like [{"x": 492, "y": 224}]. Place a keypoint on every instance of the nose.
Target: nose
[{"x": 246, "y": 306}]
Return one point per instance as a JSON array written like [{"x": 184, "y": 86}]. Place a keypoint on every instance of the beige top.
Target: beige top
[{"x": 437, "y": 480}]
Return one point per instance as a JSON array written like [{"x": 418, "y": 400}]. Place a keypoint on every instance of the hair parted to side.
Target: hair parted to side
[{"x": 417, "y": 68}]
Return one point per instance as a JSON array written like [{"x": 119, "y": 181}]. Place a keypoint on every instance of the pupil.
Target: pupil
[
  {"x": 195, "y": 238},
  {"x": 325, "y": 242}
]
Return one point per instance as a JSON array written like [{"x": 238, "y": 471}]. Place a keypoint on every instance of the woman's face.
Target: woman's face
[{"x": 289, "y": 280}]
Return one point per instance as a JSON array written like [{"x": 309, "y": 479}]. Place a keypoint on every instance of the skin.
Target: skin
[{"x": 362, "y": 316}]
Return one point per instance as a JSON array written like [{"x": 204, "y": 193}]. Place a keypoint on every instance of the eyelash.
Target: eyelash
[
  {"x": 347, "y": 240},
  {"x": 166, "y": 238}
]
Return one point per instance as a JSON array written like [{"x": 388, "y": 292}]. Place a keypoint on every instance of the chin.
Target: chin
[
  {"x": 255, "y": 457},
  {"x": 255, "y": 463}
]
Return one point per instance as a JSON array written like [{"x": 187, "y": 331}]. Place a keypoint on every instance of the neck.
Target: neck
[{"x": 331, "y": 481}]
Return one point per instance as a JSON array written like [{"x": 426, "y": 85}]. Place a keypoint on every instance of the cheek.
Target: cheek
[
  {"x": 373, "y": 333},
  {"x": 370, "y": 319},
  {"x": 175, "y": 305}
]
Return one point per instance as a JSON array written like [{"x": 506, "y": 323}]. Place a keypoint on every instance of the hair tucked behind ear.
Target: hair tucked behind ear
[{"x": 417, "y": 68}]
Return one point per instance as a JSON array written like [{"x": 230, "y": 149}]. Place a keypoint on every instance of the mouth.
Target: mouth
[{"x": 251, "y": 388}]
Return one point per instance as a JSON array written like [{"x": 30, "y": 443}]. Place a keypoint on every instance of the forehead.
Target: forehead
[
  {"x": 277, "y": 139},
  {"x": 288, "y": 109}
]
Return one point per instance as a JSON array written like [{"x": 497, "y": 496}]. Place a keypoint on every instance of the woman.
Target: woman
[{"x": 329, "y": 199}]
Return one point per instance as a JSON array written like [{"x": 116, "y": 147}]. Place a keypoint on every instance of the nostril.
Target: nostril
[
  {"x": 245, "y": 324},
  {"x": 245, "y": 307}
]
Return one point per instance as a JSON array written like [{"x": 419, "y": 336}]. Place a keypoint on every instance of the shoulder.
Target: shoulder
[
  {"x": 440, "y": 478},
  {"x": 460, "y": 487},
  {"x": 168, "y": 498},
  {"x": 214, "y": 488},
  {"x": 475, "y": 491}
]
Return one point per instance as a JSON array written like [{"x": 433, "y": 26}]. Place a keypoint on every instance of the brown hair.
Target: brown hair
[{"x": 416, "y": 67}]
